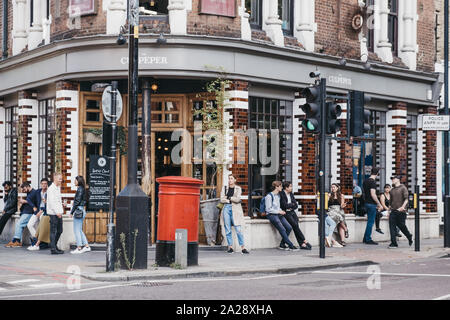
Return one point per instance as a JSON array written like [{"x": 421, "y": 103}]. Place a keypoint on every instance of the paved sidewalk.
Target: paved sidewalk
[{"x": 214, "y": 263}]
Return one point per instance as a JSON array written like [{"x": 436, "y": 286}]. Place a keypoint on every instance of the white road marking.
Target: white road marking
[
  {"x": 30, "y": 295},
  {"x": 23, "y": 281},
  {"x": 443, "y": 297},
  {"x": 103, "y": 287},
  {"x": 388, "y": 274},
  {"x": 47, "y": 285}
]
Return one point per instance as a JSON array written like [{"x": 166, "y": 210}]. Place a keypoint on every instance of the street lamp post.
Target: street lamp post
[
  {"x": 110, "y": 252},
  {"x": 132, "y": 216}
]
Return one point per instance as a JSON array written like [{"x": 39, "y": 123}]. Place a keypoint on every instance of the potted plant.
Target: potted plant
[{"x": 214, "y": 128}]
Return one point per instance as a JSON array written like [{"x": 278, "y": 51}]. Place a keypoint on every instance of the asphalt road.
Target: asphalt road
[{"x": 421, "y": 279}]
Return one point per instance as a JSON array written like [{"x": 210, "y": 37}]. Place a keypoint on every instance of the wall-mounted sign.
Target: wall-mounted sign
[
  {"x": 98, "y": 183},
  {"x": 146, "y": 60},
  {"x": 225, "y": 8},
  {"x": 78, "y": 8},
  {"x": 435, "y": 122}
]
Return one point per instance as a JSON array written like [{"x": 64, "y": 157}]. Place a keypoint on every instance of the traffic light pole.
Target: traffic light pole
[{"x": 322, "y": 148}]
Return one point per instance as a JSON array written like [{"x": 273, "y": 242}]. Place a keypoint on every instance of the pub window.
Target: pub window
[
  {"x": 153, "y": 7},
  {"x": 393, "y": 24},
  {"x": 46, "y": 137},
  {"x": 411, "y": 140},
  {"x": 254, "y": 9},
  {"x": 285, "y": 13},
  {"x": 270, "y": 114},
  {"x": 11, "y": 144},
  {"x": 370, "y": 151}
]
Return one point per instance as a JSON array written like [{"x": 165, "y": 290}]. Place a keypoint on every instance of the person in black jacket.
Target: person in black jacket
[
  {"x": 289, "y": 204},
  {"x": 78, "y": 203},
  {"x": 10, "y": 200}
]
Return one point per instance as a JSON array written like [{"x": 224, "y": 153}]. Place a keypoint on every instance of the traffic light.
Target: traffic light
[
  {"x": 359, "y": 118},
  {"x": 334, "y": 110},
  {"x": 312, "y": 108}
]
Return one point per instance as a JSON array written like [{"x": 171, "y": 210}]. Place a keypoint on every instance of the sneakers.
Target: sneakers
[
  {"x": 379, "y": 231},
  {"x": 337, "y": 245},
  {"x": 293, "y": 248},
  {"x": 85, "y": 249},
  {"x": 393, "y": 246},
  {"x": 371, "y": 242},
  {"x": 230, "y": 250},
  {"x": 15, "y": 244},
  {"x": 283, "y": 247},
  {"x": 33, "y": 248},
  {"x": 76, "y": 251},
  {"x": 57, "y": 252},
  {"x": 245, "y": 251}
]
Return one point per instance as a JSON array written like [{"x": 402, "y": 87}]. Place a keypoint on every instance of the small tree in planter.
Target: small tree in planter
[{"x": 214, "y": 129}]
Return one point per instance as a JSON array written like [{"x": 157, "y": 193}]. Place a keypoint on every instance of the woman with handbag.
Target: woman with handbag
[
  {"x": 79, "y": 213},
  {"x": 232, "y": 213}
]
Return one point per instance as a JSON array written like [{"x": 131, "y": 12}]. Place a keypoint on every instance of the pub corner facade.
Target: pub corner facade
[{"x": 57, "y": 55}]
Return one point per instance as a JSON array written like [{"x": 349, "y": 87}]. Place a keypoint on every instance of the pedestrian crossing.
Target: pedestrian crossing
[{"x": 30, "y": 284}]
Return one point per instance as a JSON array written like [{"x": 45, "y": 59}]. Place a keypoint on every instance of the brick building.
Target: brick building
[{"x": 56, "y": 55}]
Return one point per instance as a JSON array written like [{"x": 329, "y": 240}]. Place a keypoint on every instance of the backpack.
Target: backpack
[{"x": 262, "y": 205}]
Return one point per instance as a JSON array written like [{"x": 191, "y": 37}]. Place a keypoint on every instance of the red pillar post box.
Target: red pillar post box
[{"x": 179, "y": 203}]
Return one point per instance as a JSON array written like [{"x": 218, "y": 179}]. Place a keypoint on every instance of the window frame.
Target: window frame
[
  {"x": 289, "y": 31},
  {"x": 258, "y": 25},
  {"x": 393, "y": 19},
  {"x": 11, "y": 122},
  {"x": 45, "y": 134},
  {"x": 375, "y": 136},
  {"x": 283, "y": 131}
]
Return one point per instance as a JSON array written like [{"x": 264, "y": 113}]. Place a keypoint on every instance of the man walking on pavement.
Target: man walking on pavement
[
  {"x": 371, "y": 203},
  {"x": 55, "y": 211},
  {"x": 10, "y": 200},
  {"x": 397, "y": 217}
]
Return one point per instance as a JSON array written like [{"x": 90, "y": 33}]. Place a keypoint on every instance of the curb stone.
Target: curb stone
[{"x": 215, "y": 274}]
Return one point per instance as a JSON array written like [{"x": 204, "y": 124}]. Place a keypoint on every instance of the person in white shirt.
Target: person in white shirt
[{"x": 55, "y": 210}]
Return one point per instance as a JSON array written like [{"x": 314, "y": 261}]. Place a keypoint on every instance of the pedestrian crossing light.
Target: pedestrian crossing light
[
  {"x": 359, "y": 117},
  {"x": 312, "y": 108},
  {"x": 334, "y": 111}
]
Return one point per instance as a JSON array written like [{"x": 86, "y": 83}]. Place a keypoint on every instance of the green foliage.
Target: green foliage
[
  {"x": 176, "y": 266},
  {"x": 129, "y": 264},
  {"x": 212, "y": 115},
  {"x": 121, "y": 137}
]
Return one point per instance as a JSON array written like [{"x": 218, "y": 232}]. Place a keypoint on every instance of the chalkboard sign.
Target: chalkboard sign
[{"x": 98, "y": 183}]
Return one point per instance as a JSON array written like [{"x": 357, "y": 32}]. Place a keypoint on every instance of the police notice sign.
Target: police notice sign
[{"x": 435, "y": 122}]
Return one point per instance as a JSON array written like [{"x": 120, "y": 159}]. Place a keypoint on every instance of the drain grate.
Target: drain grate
[{"x": 149, "y": 284}]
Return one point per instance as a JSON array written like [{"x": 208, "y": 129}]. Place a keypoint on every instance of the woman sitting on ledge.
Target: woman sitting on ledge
[{"x": 336, "y": 205}]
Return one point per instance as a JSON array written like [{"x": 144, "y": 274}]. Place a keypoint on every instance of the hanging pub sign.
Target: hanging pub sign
[
  {"x": 98, "y": 183},
  {"x": 225, "y": 8},
  {"x": 78, "y": 8}
]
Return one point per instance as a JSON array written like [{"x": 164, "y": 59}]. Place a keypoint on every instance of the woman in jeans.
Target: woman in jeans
[
  {"x": 80, "y": 202},
  {"x": 232, "y": 214},
  {"x": 289, "y": 205}
]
